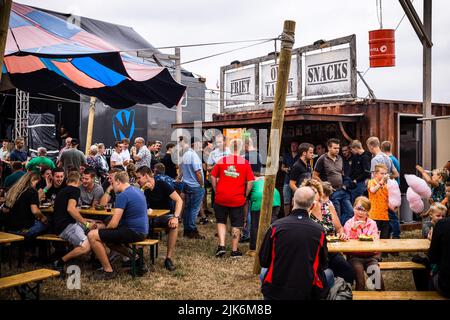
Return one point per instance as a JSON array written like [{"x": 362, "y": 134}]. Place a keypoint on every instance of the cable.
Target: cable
[
  {"x": 363, "y": 74},
  {"x": 401, "y": 20},
  {"x": 225, "y": 52},
  {"x": 212, "y": 43},
  {"x": 381, "y": 15},
  {"x": 45, "y": 99},
  {"x": 62, "y": 99},
  {"x": 197, "y": 45}
]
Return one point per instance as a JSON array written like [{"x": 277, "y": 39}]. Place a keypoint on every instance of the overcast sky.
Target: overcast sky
[{"x": 177, "y": 22}]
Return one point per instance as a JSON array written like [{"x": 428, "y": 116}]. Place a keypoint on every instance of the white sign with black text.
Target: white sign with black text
[
  {"x": 328, "y": 73},
  {"x": 268, "y": 76},
  {"x": 240, "y": 86}
]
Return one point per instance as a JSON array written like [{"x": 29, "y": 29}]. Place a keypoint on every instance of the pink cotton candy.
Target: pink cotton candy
[
  {"x": 395, "y": 196},
  {"x": 417, "y": 206},
  {"x": 418, "y": 185},
  {"x": 414, "y": 200}
]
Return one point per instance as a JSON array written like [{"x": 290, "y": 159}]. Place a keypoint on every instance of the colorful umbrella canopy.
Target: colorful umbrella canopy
[{"x": 44, "y": 52}]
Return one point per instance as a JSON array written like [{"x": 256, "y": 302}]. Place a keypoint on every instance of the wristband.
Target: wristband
[{"x": 45, "y": 190}]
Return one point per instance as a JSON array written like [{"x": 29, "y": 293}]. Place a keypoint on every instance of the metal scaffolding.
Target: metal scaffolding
[{"x": 22, "y": 113}]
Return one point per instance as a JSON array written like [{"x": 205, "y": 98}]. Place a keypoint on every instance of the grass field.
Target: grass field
[{"x": 199, "y": 275}]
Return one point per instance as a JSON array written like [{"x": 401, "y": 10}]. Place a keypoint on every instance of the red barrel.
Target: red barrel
[{"x": 382, "y": 48}]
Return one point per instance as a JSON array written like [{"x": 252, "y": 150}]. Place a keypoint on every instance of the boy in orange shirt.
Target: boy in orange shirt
[{"x": 379, "y": 198}]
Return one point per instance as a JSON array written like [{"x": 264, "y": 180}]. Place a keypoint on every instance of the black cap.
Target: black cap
[{"x": 75, "y": 141}]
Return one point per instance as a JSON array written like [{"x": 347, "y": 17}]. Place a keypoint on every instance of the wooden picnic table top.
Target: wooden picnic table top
[
  {"x": 9, "y": 237},
  {"x": 152, "y": 213},
  {"x": 382, "y": 245}
]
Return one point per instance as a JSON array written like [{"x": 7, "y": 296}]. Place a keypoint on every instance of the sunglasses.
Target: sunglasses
[{"x": 360, "y": 208}]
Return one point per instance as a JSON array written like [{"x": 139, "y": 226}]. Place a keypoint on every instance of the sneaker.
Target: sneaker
[
  {"x": 168, "y": 264},
  {"x": 220, "y": 252},
  {"x": 204, "y": 221},
  {"x": 194, "y": 235},
  {"x": 236, "y": 254},
  {"x": 101, "y": 274}
]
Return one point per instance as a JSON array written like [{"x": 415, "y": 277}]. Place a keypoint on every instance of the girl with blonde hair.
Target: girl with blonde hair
[{"x": 22, "y": 214}]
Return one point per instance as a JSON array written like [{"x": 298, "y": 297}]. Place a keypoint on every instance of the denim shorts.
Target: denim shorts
[
  {"x": 74, "y": 233},
  {"x": 161, "y": 222},
  {"x": 287, "y": 194}
]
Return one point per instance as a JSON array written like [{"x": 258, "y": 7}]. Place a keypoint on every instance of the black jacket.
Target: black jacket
[
  {"x": 295, "y": 252},
  {"x": 440, "y": 253},
  {"x": 360, "y": 168}
]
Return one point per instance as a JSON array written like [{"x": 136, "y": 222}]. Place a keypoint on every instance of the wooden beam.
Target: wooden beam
[
  {"x": 275, "y": 135},
  {"x": 90, "y": 128}
]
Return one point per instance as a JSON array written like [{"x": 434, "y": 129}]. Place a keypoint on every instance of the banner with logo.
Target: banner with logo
[{"x": 111, "y": 125}]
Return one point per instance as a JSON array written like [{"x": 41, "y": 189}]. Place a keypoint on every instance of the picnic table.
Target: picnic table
[
  {"x": 5, "y": 239},
  {"x": 382, "y": 245},
  {"x": 152, "y": 214}
]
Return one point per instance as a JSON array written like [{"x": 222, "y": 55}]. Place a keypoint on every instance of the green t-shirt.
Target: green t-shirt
[
  {"x": 257, "y": 193},
  {"x": 34, "y": 163}
]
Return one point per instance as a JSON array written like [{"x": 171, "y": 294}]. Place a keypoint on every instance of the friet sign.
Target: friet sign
[
  {"x": 328, "y": 73},
  {"x": 240, "y": 86}
]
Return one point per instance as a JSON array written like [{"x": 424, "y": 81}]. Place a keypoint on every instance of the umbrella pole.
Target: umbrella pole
[
  {"x": 90, "y": 127},
  {"x": 5, "y": 10}
]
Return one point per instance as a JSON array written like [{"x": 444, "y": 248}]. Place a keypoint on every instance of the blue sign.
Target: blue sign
[{"x": 123, "y": 124}]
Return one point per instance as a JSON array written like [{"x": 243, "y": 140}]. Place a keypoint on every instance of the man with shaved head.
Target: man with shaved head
[{"x": 295, "y": 243}]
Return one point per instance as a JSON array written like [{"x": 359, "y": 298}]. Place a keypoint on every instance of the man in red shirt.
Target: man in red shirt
[{"x": 232, "y": 180}]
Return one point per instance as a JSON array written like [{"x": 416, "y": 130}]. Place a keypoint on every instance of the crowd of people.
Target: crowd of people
[
  {"x": 346, "y": 193},
  {"x": 332, "y": 190}
]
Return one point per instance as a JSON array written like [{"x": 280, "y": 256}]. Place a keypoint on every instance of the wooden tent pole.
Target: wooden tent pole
[
  {"x": 90, "y": 127},
  {"x": 287, "y": 42},
  {"x": 5, "y": 11}
]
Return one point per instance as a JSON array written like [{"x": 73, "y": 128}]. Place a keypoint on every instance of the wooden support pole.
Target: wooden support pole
[
  {"x": 90, "y": 127},
  {"x": 5, "y": 11},
  {"x": 287, "y": 42}
]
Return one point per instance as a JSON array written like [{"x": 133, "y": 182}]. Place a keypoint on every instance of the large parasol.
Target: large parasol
[{"x": 44, "y": 52}]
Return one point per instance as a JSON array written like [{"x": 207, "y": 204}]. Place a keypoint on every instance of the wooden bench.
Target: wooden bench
[
  {"x": 50, "y": 237},
  {"x": 401, "y": 265},
  {"x": 397, "y": 295},
  {"x": 152, "y": 244},
  {"x": 21, "y": 282}
]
